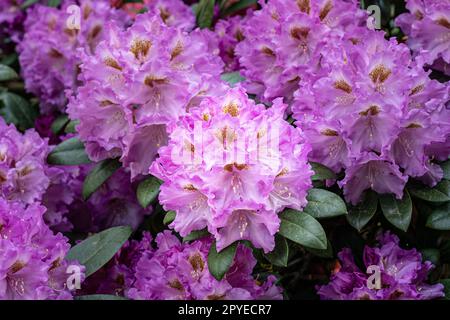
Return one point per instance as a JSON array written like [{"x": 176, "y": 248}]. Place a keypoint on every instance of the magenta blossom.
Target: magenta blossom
[
  {"x": 48, "y": 53},
  {"x": 374, "y": 113},
  {"x": 136, "y": 83},
  {"x": 231, "y": 166},
  {"x": 33, "y": 265},
  {"x": 176, "y": 271},
  {"x": 427, "y": 25},
  {"x": 403, "y": 275}
]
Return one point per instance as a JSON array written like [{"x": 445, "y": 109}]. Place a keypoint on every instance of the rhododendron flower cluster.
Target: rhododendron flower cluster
[
  {"x": 231, "y": 165},
  {"x": 23, "y": 169},
  {"x": 32, "y": 264},
  {"x": 427, "y": 27},
  {"x": 403, "y": 275},
  {"x": 377, "y": 115},
  {"x": 138, "y": 81},
  {"x": 176, "y": 270},
  {"x": 229, "y": 33},
  {"x": 224, "y": 150},
  {"x": 286, "y": 40},
  {"x": 49, "y": 50}
]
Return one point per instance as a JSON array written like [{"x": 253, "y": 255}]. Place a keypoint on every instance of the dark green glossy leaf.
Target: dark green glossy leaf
[
  {"x": 98, "y": 176},
  {"x": 279, "y": 256},
  {"x": 148, "y": 191},
  {"x": 68, "y": 152},
  {"x": 397, "y": 212},
  {"x": 321, "y": 172},
  {"x": 97, "y": 250},
  {"x": 324, "y": 204},
  {"x": 220, "y": 262},
  {"x": 439, "y": 218},
  {"x": 17, "y": 110},
  {"x": 359, "y": 215},
  {"x": 7, "y": 73},
  {"x": 302, "y": 229}
]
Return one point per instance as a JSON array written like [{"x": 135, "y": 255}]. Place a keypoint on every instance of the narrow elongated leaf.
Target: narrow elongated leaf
[
  {"x": 439, "y": 218},
  {"x": 59, "y": 123},
  {"x": 397, "y": 212},
  {"x": 68, "y": 152},
  {"x": 97, "y": 250},
  {"x": 279, "y": 256},
  {"x": 238, "y": 6},
  {"x": 71, "y": 126},
  {"x": 53, "y": 3},
  {"x": 324, "y": 204},
  {"x": 302, "y": 229},
  {"x": 7, "y": 73},
  {"x": 98, "y": 175},
  {"x": 321, "y": 172},
  {"x": 326, "y": 253},
  {"x": 205, "y": 13},
  {"x": 197, "y": 234},
  {"x": 147, "y": 191},
  {"x": 232, "y": 77},
  {"x": 169, "y": 217},
  {"x": 440, "y": 193},
  {"x": 99, "y": 297},
  {"x": 17, "y": 110},
  {"x": 28, "y": 3},
  {"x": 220, "y": 262},
  {"x": 359, "y": 215}
]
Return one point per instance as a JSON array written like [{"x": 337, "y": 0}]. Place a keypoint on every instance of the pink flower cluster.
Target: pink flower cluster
[
  {"x": 286, "y": 40},
  {"x": 179, "y": 271},
  {"x": 136, "y": 83},
  {"x": 427, "y": 26},
  {"x": 32, "y": 264},
  {"x": 403, "y": 275},
  {"x": 374, "y": 113},
  {"x": 48, "y": 53},
  {"x": 230, "y": 166}
]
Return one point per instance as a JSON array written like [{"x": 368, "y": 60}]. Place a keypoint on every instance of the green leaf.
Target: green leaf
[
  {"x": 28, "y": 3},
  {"x": 68, "y": 152},
  {"x": 446, "y": 168},
  {"x": 100, "y": 297},
  {"x": 205, "y": 13},
  {"x": 431, "y": 254},
  {"x": 97, "y": 250},
  {"x": 439, "y": 218},
  {"x": 53, "y": 3},
  {"x": 7, "y": 73},
  {"x": 147, "y": 191},
  {"x": 220, "y": 262},
  {"x": 232, "y": 78},
  {"x": 321, "y": 172},
  {"x": 397, "y": 212},
  {"x": 326, "y": 253},
  {"x": 18, "y": 111},
  {"x": 59, "y": 124},
  {"x": 70, "y": 127},
  {"x": 169, "y": 217},
  {"x": 359, "y": 215},
  {"x": 197, "y": 234},
  {"x": 324, "y": 204},
  {"x": 279, "y": 256},
  {"x": 446, "y": 283},
  {"x": 440, "y": 193},
  {"x": 98, "y": 175},
  {"x": 302, "y": 229},
  {"x": 238, "y": 6}
]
